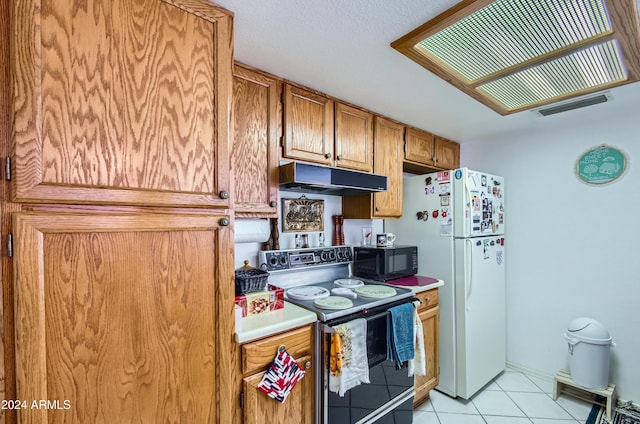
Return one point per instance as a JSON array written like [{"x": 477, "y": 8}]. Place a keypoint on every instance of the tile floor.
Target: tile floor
[{"x": 511, "y": 398}]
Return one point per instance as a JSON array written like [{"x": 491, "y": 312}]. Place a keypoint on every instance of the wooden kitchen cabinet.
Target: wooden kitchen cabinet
[
  {"x": 353, "y": 138},
  {"x": 256, "y": 357},
  {"x": 124, "y": 315},
  {"x": 387, "y": 158},
  {"x": 428, "y": 311},
  {"x": 256, "y": 130},
  {"x": 447, "y": 153},
  {"x": 121, "y": 103},
  {"x": 427, "y": 150},
  {"x": 308, "y": 125},
  {"x": 320, "y": 130}
]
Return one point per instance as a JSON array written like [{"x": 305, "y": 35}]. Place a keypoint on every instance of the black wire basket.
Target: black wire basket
[{"x": 250, "y": 280}]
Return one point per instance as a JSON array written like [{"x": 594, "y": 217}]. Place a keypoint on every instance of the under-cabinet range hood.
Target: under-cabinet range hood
[{"x": 305, "y": 177}]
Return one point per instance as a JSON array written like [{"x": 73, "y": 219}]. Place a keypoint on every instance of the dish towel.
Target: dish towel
[
  {"x": 281, "y": 376},
  {"x": 349, "y": 364},
  {"x": 418, "y": 365},
  {"x": 400, "y": 335}
]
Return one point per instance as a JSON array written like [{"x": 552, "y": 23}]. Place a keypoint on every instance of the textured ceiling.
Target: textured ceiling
[{"x": 341, "y": 47}]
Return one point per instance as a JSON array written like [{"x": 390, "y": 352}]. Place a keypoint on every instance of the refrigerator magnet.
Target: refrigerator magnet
[{"x": 444, "y": 200}]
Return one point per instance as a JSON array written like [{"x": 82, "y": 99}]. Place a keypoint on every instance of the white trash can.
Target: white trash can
[{"x": 589, "y": 351}]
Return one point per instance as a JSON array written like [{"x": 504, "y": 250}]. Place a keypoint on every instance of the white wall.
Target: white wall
[
  {"x": 332, "y": 206},
  {"x": 573, "y": 248}
]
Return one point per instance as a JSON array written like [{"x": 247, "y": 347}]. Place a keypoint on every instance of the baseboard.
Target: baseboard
[
  {"x": 530, "y": 371},
  {"x": 512, "y": 366}
]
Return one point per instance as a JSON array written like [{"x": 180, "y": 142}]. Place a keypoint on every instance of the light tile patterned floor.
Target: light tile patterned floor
[{"x": 511, "y": 398}]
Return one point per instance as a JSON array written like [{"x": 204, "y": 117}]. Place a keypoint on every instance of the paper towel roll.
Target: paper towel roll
[{"x": 252, "y": 230}]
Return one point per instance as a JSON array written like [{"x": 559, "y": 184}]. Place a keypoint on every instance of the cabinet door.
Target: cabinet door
[
  {"x": 121, "y": 102},
  {"x": 430, "y": 327},
  {"x": 388, "y": 161},
  {"x": 447, "y": 153},
  {"x": 353, "y": 138},
  {"x": 119, "y": 317},
  {"x": 308, "y": 126},
  {"x": 297, "y": 408},
  {"x": 419, "y": 147},
  {"x": 256, "y": 130}
]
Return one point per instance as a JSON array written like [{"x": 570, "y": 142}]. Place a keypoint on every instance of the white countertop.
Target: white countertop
[{"x": 278, "y": 321}]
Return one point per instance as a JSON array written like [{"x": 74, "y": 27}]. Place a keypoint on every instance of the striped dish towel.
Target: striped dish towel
[{"x": 281, "y": 377}]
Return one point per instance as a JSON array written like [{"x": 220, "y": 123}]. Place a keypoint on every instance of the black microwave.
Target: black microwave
[{"x": 385, "y": 263}]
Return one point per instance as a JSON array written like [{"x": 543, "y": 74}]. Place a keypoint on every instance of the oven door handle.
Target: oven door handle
[{"x": 327, "y": 329}]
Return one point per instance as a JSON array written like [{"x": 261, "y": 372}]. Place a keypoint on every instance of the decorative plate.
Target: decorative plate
[
  {"x": 333, "y": 302},
  {"x": 375, "y": 291},
  {"x": 349, "y": 283},
  {"x": 307, "y": 293}
]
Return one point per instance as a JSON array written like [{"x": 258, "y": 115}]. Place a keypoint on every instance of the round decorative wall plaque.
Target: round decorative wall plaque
[{"x": 601, "y": 165}]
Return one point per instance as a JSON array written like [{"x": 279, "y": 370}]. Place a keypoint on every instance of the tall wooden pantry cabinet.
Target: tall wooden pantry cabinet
[{"x": 118, "y": 282}]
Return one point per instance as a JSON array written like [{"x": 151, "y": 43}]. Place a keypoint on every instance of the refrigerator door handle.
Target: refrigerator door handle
[
  {"x": 468, "y": 277},
  {"x": 468, "y": 220}
]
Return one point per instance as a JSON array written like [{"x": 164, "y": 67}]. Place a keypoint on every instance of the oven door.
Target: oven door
[{"x": 388, "y": 398}]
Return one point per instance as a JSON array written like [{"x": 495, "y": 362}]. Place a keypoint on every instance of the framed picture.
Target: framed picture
[{"x": 302, "y": 215}]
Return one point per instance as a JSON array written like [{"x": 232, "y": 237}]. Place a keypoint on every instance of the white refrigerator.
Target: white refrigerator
[{"x": 457, "y": 218}]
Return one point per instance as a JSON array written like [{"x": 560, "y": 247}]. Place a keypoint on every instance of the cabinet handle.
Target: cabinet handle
[
  {"x": 281, "y": 348},
  {"x": 224, "y": 194},
  {"x": 224, "y": 222},
  {"x": 273, "y": 203},
  {"x": 377, "y": 208},
  {"x": 307, "y": 365},
  {"x": 435, "y": 159},
  {"x": 339, "y": 157},
  {"x": 327, "y": 155}
]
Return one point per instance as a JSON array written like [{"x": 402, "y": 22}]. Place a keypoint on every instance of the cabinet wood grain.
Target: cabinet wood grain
[
  {"x": 353, "y": 138},
  {"x": 297, "y": 408},
  {"x": 308, "y": 125},
  {"x": 121, "y": 102},
  {"x": 123, "y": 337},
  {"x": 429, "y": 314},
  {"x": 256, "y": 130}
]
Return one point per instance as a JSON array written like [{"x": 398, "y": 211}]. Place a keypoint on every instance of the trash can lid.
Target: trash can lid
[{"x": 588, "y": 329}]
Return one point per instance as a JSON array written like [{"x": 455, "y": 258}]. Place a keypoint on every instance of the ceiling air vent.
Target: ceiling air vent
[{"x": 588, "y": 101}]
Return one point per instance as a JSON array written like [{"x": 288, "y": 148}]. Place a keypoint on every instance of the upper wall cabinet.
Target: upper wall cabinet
[
  {"x": 425, "y": 149},
  {"x": 387, "y": 161},
  {"x": 256, "y": 130},
  {"x": 447, "y": 153},
  {"x": 353, "y": 138},
  {"x": 121, "y": 102},
  {"x": 308, "y": 126}
]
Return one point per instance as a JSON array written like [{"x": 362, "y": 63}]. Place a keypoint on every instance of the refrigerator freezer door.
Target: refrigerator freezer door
[
  {"x": 480, "y": 312},
  {"x": 479, "y": 203}
]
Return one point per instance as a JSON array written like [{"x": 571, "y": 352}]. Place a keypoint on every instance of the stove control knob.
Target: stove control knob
[
  {"x": 332, "y": 255},
  {"x": 283, "y": 260},
  {"x": 273, "y": 261},
  {"x": 340, "y": 255},
  {"x": 324, "y": 256}
]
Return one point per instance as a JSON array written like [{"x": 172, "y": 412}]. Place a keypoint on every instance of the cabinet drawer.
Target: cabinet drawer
[
  {"x": 429, "y": 299},
  {"x": 257, "y": 356}
]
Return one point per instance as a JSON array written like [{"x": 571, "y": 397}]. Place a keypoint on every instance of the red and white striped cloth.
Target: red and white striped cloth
[{"x": 281, "y": 377}]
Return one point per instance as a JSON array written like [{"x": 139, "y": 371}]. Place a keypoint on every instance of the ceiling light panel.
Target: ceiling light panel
[
  {"x": 596, "y": 66},
  {"x": 513, "y": 55},
  {"x": 511, "y": 32}
]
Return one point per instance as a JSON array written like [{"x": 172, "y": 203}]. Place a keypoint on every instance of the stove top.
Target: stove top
[
  {"x": 321, "y": 267},
  {"x": 360, "y": 303}
]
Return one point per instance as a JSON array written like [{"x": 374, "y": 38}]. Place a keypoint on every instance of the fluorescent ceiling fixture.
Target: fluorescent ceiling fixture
[{"x": 514, "y": 55}]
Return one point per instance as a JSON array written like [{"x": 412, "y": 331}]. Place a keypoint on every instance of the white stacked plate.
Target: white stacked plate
[{"x": 349, "y": 283}]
